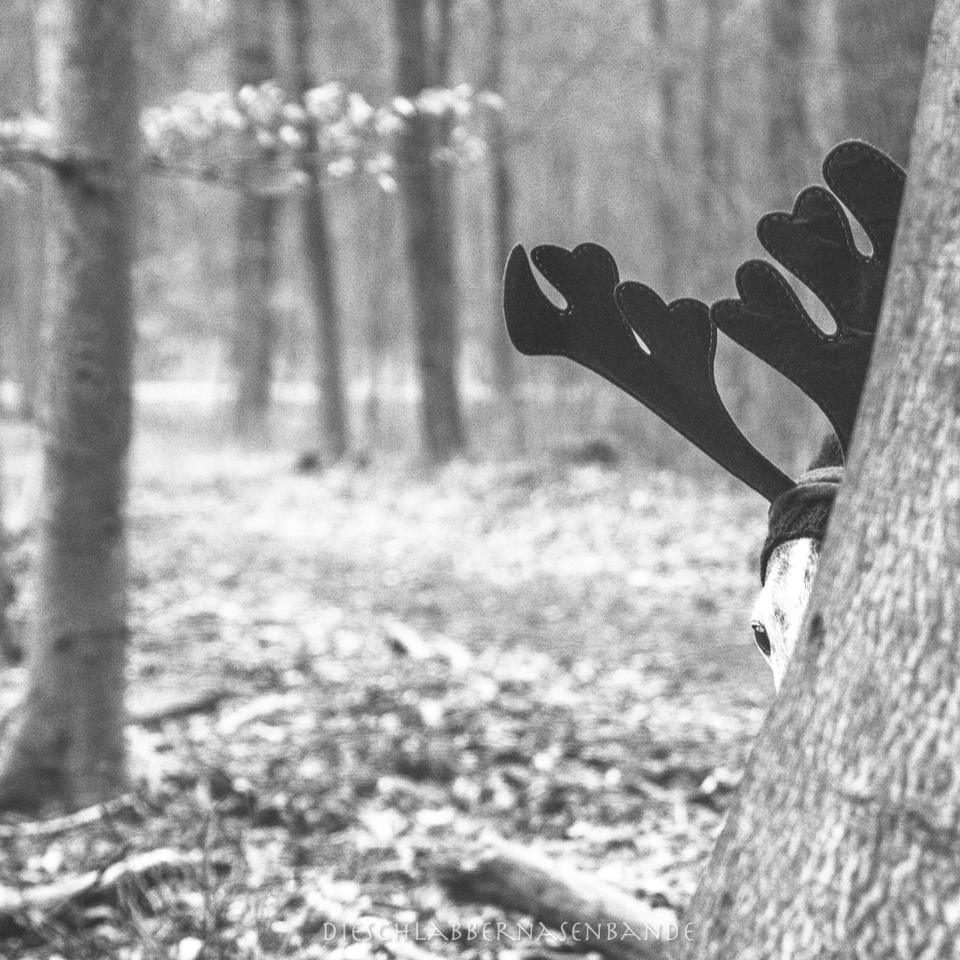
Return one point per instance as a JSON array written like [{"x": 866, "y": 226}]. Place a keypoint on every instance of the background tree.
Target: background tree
[
  {"x": 841, "y": 840},
  {"x": 426, "y": 204},
  {"x": 881, "y": 47},
  {"x": 332, "y": 425},
  {"x": 21, "y": 203},
  {"x": 257, "y": 216},
  {"x": 670, "y": 213},
  {"x": 66, "y": 740},
  {"x": 790, "y": 140},
  {"x": 610, "y": 130},
  {"x": 504, "y": 361}
]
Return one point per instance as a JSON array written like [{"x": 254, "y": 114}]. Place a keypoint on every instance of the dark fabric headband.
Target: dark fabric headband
[{"x": 802, "y": 511}]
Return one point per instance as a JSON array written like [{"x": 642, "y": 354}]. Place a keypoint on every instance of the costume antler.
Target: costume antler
[
  {"x": 676, "y": 378},
  {"x": 816, "y": 245}
]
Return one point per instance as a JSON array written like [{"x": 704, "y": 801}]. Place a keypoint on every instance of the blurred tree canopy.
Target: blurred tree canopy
[{"x": 661, "y": 130}]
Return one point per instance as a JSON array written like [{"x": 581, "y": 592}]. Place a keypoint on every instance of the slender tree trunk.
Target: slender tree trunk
[
  {"x": 31, "y": 299},
  {"x": 429, "y": 252},
  {"x": 670, "y": 219},
  {"x": 712, "y": 145},
  {"x": 257, "y": 221},
  {"x": 881, "y": 44},
  {"x": 66, "y": 741},
  {"x": 789, "y": 420},
  {"x": 440, "y": 74},
  {"x": 506, "y": 387},
  {"x": 380, "y": 307},
  {"x": 332, "y": 402},
  {"x": 23, "y": 230},
  {"x": 842, "y": 840},
  {"x": 10, "y": 647},
  {"x": 719, "y": 257},
  {"x": 789, "y": 132}
]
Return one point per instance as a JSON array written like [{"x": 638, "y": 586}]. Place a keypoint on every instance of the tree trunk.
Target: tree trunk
[
  {"x": 712, "y": 149},
  {"x": 670, "y": 216},
  {"x": 23, "y": 224},
  {"x": 788, "y": 418},
  {"x": 380, "y": 308},
  {"x": 429, "y": 253},
  {"x": 257, "y": 219},
  {"x": 31, "y": 296},
  {"x": 508, "y": 396},
  {"x": 10, "y": 648},
  {"x": 789, "y": 129},
  {"x": 842, "y": 841},
  {"x": 880, "y": 46},
  {"x": 516, "y": 878},
  {"x": 66, "y": 743},
  {"x": 332, "y": 403}
]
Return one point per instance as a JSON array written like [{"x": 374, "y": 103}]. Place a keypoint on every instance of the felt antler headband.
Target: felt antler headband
[{"x": 675, "y": 379}]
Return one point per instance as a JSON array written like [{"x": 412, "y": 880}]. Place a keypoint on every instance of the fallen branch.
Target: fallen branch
[
  {"x": 177, "y": 706},
  {"x": 405, "y": 641},
  {"x": 587, "y": 912},
  {"x": 152, "y": 867},
  {"x": 70, "y": 821},
  {"x": 268, "y": 705}
]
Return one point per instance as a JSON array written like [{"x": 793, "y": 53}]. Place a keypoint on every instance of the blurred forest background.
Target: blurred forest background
[
  {"x": 317, "y": 675},
  {"x": 661, "y": 129}
]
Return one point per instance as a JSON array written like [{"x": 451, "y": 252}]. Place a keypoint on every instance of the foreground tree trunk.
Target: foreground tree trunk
[
  {"x": 842, "y": 841},
  {"x": 429, "y": 251},
  {"x": 332, "y": 405},
  {"x": 66, "y": 743},
  {"x": 257, "y": 217}
]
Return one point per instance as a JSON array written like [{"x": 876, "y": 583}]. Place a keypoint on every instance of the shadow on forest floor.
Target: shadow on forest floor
[{"x": 556, "y": 653}]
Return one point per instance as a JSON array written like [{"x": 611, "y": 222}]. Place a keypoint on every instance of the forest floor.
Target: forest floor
[{"x": 402, "y": 660}]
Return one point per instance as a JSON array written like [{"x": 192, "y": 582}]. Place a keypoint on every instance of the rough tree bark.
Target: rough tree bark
[
  {"x": 429, "y": 252},
  {"x": 843, "y": 840},
  {"x": 257, "y": 217},
  {"x": 508, "y": 397},
  {"x": 332, "y": 406},
  {"x": 881, "y": 46},
  {"x": 65, "y": 742}
]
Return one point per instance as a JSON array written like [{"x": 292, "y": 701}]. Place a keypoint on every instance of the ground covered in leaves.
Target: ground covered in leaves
[{"x": 399, "y": 662}]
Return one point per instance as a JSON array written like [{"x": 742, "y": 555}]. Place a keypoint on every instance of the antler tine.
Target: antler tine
[
  {"x": 873, "y": 197},
  {"x": 675, "y": 380},
  {"x": 815, "y": 243},
  {"x": 683, "y": 343}
]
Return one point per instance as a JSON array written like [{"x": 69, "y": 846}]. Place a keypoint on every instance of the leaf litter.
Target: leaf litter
[{"x": 557, "y": 653}]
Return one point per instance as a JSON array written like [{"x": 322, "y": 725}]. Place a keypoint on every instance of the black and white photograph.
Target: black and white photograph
[{"x": 479, "y": 480}]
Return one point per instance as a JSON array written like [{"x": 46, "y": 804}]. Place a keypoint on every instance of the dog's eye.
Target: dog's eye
[{"x": 760, "y": 635}]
